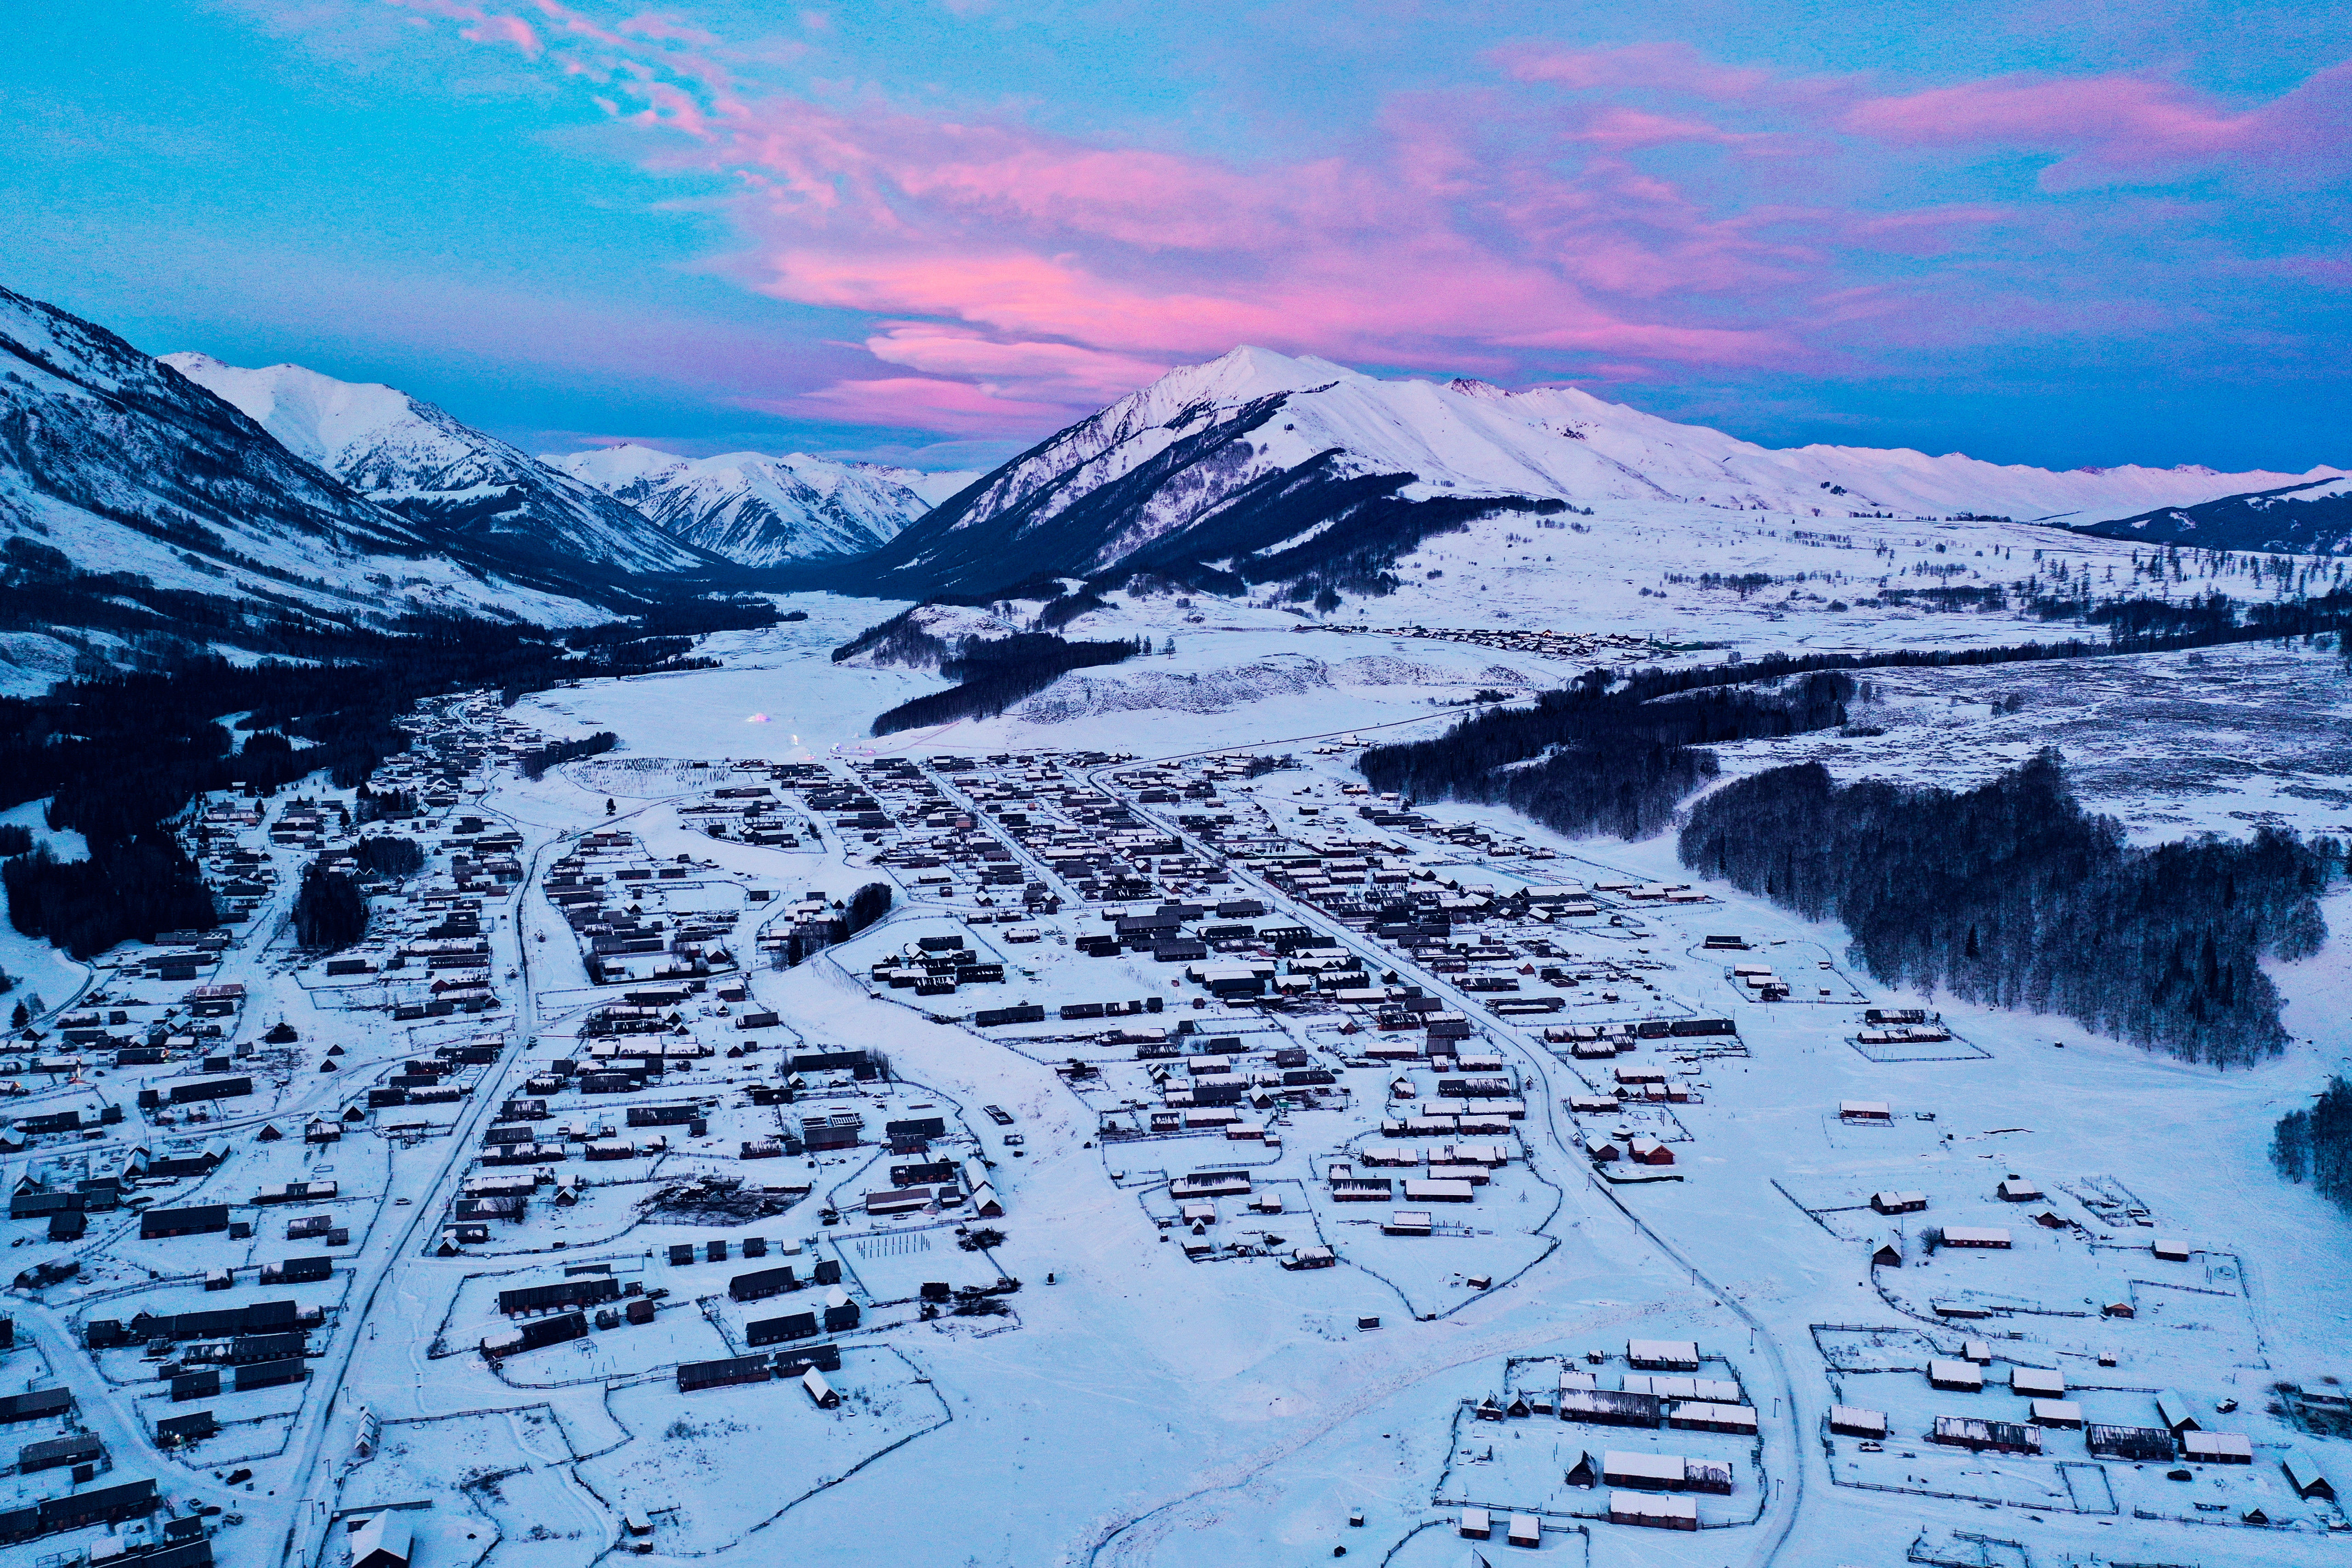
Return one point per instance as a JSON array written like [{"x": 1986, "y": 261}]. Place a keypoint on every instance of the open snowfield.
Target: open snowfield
[{"x": 1136, "y": 1370}]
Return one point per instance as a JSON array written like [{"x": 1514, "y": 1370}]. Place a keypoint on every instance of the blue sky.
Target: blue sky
[{"x": 2060, "y": 234}]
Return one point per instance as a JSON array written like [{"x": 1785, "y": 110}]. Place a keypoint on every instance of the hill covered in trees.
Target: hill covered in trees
[
  {"x": 2012, "y": 895},
  {"x": 994, "y": 673}
]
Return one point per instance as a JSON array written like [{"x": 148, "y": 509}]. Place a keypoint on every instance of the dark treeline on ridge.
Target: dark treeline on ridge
[
  {"x": 995, "y": 673},
  {"x": 2012, "y": 895},
  {"x": 1607, "y": 754}
]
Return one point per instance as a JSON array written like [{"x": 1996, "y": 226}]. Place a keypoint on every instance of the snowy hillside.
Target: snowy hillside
[
  {"x": 759, "y": 510},
  {"x": 114, "y": 465},
  {"x": 1276, "y": 466},
  {"x": 413, "y": 459},
  {"x": 2313, "y": 519}
]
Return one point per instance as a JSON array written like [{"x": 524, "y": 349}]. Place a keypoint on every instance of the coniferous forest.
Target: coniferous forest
[
  {"x": 536, "y": 763},
  {"x": 2316, "y": 1145},
  {"x": 144, "y": 883},
  {"x": 1602, "y": 757},
  {"x": 329, "y": 911},
  {"x": 121, "y": 755},
  {"x": 994, "y": 673},
  {"x": 2012, "y": 895},
  {"x": 866, "y": 905}
]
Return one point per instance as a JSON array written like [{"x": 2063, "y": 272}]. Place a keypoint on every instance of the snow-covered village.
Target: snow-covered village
[{"x": 1236, "y": 924}]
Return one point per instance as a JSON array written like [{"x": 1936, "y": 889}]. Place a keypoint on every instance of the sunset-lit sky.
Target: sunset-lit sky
[{"x": 2043, "y": 231}]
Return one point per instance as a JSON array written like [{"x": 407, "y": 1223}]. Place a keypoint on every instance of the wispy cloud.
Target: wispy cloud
[{"x": 1612, "y": 210}]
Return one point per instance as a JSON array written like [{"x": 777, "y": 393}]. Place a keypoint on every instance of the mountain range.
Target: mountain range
[
  {"x": 759, "y": 510},
  {"x": 1259, "y": 467},
  {"x": 414, "y": 461},
  {"x": 2312, "y": 518},
  {"x": 184, "y": 498}
]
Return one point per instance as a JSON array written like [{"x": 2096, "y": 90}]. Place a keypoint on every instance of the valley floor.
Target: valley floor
[{"x": 1178, "y": 1378}]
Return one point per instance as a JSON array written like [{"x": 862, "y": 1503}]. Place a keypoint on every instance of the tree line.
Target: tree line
[
  {"x": 1604, "y": 755},
  {"x": 121, "y": 755},
  {"x": 2012, "y": 895},
  {"x": 537, "y": 760},
  {"x": 2317, "y": 1144},
  {"x": 329, "y": 911},
  {"x": 994, "y": 673},
  {"x": 138, "y": 886}
]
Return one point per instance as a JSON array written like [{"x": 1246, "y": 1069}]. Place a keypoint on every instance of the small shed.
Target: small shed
[
  {"x": 1475, "y": 1525},
  {"x": 1853, "y": 1421},
  {"x": 1955, "y": 1376},
  {"x": 819, "y": 1389},
  {"x": 2037, "y": 1383},
  {"x": 2304, "y": 1475},
  {"x": 2216, "y": 1447},
  {"x": 381, "y": 1541},
  {"x": 1525, "y": 1530}
]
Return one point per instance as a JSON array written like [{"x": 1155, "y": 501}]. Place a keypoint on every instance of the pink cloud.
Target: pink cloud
[
  {"x": 1054, "y": 371},
  {"x": 924, "y": 403},
  {"x": 1620, "y": 128},
  {"x": 2122, "y": 126},
  {"x": 480, "y": 26},
  {"x": 1669, "y": 67},
  {"x": 1020, "y": 275}
]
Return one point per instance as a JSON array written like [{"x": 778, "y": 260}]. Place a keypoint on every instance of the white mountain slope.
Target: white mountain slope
[
  {"x": 760, "y": 510},
  {"x": 109, "y": 463},
  {"x": 1246, "y": 460},
  {"x": 414, "y": 458}
]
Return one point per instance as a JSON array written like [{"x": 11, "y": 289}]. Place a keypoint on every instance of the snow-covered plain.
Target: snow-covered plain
[{"x": 1153, "y": 1396}]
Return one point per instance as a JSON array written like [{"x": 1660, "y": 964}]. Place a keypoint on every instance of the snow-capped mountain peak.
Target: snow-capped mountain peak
[
  {"x": 763, "y": 511},
  {"x": 314, "y": 416},
  {"x": 1259, "y": 465},
  {"x": 409, "y": 456}
]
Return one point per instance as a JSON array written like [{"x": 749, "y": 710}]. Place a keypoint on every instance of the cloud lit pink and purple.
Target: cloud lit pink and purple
[{"x": 969, "y": 224}]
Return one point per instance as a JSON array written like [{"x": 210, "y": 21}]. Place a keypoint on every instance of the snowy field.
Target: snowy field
[{"x": 1205, "y": 1327}]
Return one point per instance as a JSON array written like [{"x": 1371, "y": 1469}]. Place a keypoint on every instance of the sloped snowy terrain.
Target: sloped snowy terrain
[
  {"x": 762, "y": 511},
  {"x": 414, "y": 460},
  {"x": 119, "y": 465},
  {"x": 2313, "y": 518},
  {"x": 1250, "y": 458}
]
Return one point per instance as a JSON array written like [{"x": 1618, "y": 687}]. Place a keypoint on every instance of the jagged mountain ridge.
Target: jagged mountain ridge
[
  {"x": 759, "y": 510},
  {"x": 112, "y": 464},
  {"x": 1256, "y": 466},
  {"x": 455, "y": 481},
  {"x": 2310, "y": 519}
]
